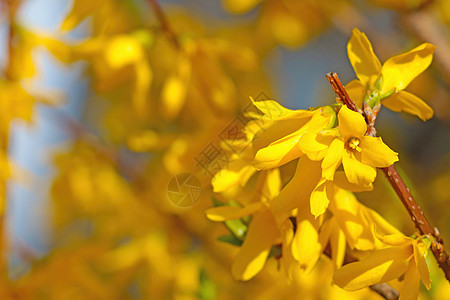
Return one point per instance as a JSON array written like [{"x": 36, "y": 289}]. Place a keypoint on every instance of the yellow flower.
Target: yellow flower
[
  {"x": 360, "y": 155},
  {"x": 304, "y": 245},
  {"x": 278, "y": 144},
  {"x": 239, "y": 169},
  {"x": 262, "y": 232},
  {"x": 356, "y": 220},
  {"x": 386, "y": 82},
  {"x": 113, "y": 59},
  {"x": 402, "y": 256}
]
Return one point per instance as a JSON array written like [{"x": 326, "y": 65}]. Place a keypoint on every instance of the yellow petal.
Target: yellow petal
[
  {"x": 286, "y": 148},
  {"x": 314, "y": 143},
  {"x": 351, "y": 123},
  {"x": 320, "y": 197},
  {"x": 396, "y": 239},
  {"x": 272, "y": 184},
  {"x": 174, "y": 90},
  {"x": 288, "y": 29},
  {"x": 363, "y": 59},
  {"x": 272, "y": 110},
  {"x": 332, "y": 159},
  {"x": 261, "y": 235},
  {"x": 79, "y": 11},
  {"x": 411, "y": 282},
  {"x": 356, "y": 91},
  {"x": 223, "y": 213},
  {"x": 357, "y": 172},
  {"x": 123, "y": 50},
  {"x": 331, "y": 234},
  {"x": 338, "y": 245},
  {"x": 421, "y": 264},
  {"x": 287, "y": 260},
  {"x": 400, "y": 70},
  {"x": 342, "y": 182},
  {"x": 173, "y": 94},
  {"x": 266, "y": 132},
  {"x": 407, "y": 102},
  {"x": 229, "y": 178},
  {"x": 347, "y": 212},
  {"x": 59, "y": 49},
  {"x": 278, "y": 153},
  {"x": 375, "y": 153},
  {"x": 380, "y": 266},
  {"x": 306, "y": 248},
  {"x": 381, "y": 225},
  {"x": 144, "y": 78},
  {"x": 298, "y": 191}
]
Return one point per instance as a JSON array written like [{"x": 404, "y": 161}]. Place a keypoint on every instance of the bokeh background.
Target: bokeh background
[{"x": 114, "y": 110}]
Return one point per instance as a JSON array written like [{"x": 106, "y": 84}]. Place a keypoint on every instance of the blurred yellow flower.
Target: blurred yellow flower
[{"x": 240, "y": 6}]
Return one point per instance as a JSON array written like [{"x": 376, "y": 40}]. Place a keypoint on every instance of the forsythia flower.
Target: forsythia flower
[
  {"x": 360, "y": 155},
  {"x": 279, "y": 143},
  {"x": 386, "y": 83},
  {"x": 404, "y": 255},
  {"x": 356, "y": 220},
  {"x": 262, "y": 232}
]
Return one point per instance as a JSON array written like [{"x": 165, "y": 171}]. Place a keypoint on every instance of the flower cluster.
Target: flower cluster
[{"x": 305, "y": 165}]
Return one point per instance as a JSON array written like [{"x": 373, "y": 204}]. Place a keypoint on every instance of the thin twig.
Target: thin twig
[
  {"x": 341, "y": 92},
  {"x": 397, "y": 182},
  {"x": 386, "y": 291},
  {"x": 165, "y": 25}
]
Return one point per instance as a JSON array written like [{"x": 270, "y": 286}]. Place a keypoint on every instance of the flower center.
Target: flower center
[{"x": 353, "y": 143}]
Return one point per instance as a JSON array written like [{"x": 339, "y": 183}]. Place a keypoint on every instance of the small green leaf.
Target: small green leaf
[{"x": 237, "y": 228}]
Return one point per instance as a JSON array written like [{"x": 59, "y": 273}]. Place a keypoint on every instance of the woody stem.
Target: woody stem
[
  {"x": 397, "y": 183},
  {"x": 163, "y": 21}
]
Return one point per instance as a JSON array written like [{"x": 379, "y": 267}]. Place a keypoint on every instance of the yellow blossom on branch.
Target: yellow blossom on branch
[
  {"x": 279, "y": 143},
  {"x": 360, "y": 155},
  {"x": 386, "y": 83},
  {"x": 262, "y": 232},
  {"x": 402, "y": 256}
]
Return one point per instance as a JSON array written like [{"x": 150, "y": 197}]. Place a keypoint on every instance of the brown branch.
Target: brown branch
[
  {"x": 165, "y": 25},
  {"x": 340, "y": 91},
  {"x": 385, "y": 291},
  {"x": 397, "y": 182}
]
